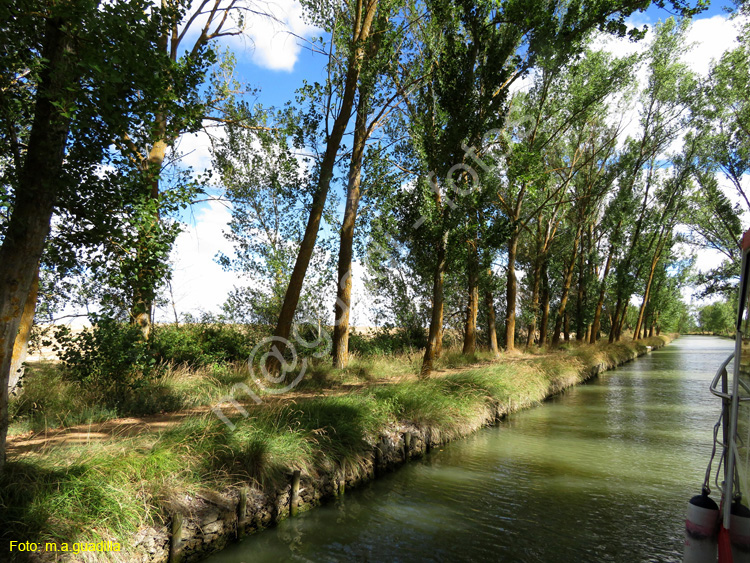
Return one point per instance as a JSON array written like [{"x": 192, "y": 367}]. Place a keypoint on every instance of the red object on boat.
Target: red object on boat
[{"x": 725, "y": 546}]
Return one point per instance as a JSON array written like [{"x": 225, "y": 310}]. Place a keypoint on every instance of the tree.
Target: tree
[
  {"x": 717, "y": 318},
  {"x": 352, "y": 31},
  {"x": 462, "y": 99},
  {"x": 663, "y": 117},
  {"x": 89, "y": 84},
  {"x": 374, "y": 102},
  {"x": 563, "y": 138},
  {"x": 145, "y": 255},
  {"x": 264, "y": 182},
  {"x": 723, "y": 134}
]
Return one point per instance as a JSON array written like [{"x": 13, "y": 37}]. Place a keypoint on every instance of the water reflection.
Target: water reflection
[{"x": 602, "y": 473}]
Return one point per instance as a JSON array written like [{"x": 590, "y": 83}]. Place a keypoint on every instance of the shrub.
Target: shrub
[
  {"x": 387, "y": 341},
  {"x": 48, "y": 399},
  {"x": 110, "y": 358},
  {"x": 205, "y": 342}
]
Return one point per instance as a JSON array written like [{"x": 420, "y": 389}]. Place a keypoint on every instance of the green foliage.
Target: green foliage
[
  {"x": 205, "y": 342},
  {"x": 121, "y": 84},
  {"x": 48, "y": 399},
  {"x": 717, "y": 318},
  {"x": 110, "y": 357},
  {"x": 387, "y": 341},
  {"x": 722, "y": 131},
  {"x": 265, "y": 184},
  {"x": 67, "y": 493},
  {"x": 83, "y": 487}
]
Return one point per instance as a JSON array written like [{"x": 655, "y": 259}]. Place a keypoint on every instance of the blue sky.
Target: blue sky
[{"x": 277, "y": 63}]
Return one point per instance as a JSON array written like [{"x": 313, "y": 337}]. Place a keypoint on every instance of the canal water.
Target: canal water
[{"x": 601, "y": 473}]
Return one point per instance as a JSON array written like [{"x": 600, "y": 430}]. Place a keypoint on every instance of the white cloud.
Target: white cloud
[
  {"x": 198, "y": 282},
  {"x": 195, "y": 149},
  {"x": 267, "y": 34},
  {"x": 711, "y": 38},
  {"x": 276, "y": 41}
]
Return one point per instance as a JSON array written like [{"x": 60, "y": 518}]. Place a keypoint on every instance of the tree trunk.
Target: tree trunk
[
  {"x": 145, "y": 287},
  {"x": 436, "y": 321},
  {"x": 470, "y": 330},
  {"x": 491, "y": 330},
  {"x": 545, "y": 305},
  {"x": 361, "y": 32},
  {"x": 439, "y": 343},
  {"x": 600, "y": 303},
  {"x": 566, "y": 326},
  {"x": 650, "y": 325},
  {"x": 620, "y": 325},
  {"x": 29, "y": 224},
  {"x": 21, "y": 345},
  {"x": 510, "y": 302},
  {"x": 144, "y": 290},
  {"x": 531, "y": 329},
  {"x": 647, "y": 292},
  {"x": 567, "y": 282},
  {"x": 614, "y": 318},
  {"x": 344, "y": 283},
  {"x": 581, "y": 295}
]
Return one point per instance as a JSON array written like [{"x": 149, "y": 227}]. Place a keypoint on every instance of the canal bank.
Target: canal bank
[
  {"x": 209, "y": 523},
  {"x": 600, "y": 473},
  {"x": 244, "y": 480}
]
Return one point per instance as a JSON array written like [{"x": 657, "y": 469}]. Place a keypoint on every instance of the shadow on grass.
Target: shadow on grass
[{"x": 25, "y": 511}]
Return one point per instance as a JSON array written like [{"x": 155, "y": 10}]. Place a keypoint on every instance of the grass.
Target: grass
[
  {"x": 111, "y": 489},
  {"x": 49, "y": 400},
  {"x": 108, "y": 492}
]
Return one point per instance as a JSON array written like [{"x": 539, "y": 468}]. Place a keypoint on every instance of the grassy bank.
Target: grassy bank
[{"x": 108, "y": 489}]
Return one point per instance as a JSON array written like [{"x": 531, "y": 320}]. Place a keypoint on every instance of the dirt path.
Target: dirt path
[{"x": 31, "y": 443}]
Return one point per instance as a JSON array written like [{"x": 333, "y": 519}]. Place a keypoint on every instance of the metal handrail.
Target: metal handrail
[{"x": 719, "y": 373}]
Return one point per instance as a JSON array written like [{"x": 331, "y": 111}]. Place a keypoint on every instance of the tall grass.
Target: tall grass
[{"x": 50, "y": 400}]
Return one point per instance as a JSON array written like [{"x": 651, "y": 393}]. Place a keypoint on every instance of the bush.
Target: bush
[
  {"x": 387, "y": 341},
  {"x": 48, "y": 399},
  {"x": 204, "y": 343},
  {"x": 110, "y": 358}
]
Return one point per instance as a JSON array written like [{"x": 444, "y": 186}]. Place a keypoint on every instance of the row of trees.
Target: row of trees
[
  {"x": 454, "y": 182},
  {"x": 469, "y": 184}
]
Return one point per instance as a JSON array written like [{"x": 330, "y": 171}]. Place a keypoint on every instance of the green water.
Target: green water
[{"x": 602, "y": 473}]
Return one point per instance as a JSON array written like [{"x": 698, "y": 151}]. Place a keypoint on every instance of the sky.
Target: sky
[{"x": 275, "y": 57}]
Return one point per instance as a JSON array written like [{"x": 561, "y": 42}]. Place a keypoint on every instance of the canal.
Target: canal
[{"x": 601, "y": 473}]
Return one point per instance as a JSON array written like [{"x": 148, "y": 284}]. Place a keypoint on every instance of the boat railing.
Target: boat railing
[{"x": 721, "y": 377}]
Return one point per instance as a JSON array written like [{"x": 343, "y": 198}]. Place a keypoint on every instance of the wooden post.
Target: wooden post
[
  {"x": 174, "y": 544},
  {"x": 342, "y": 480},
  {"x": 378, "y": 458},
  {"x": 294, "y": 493},
  {"x": 407, "y": 445},
  {"x": 241, "y": 513}
]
